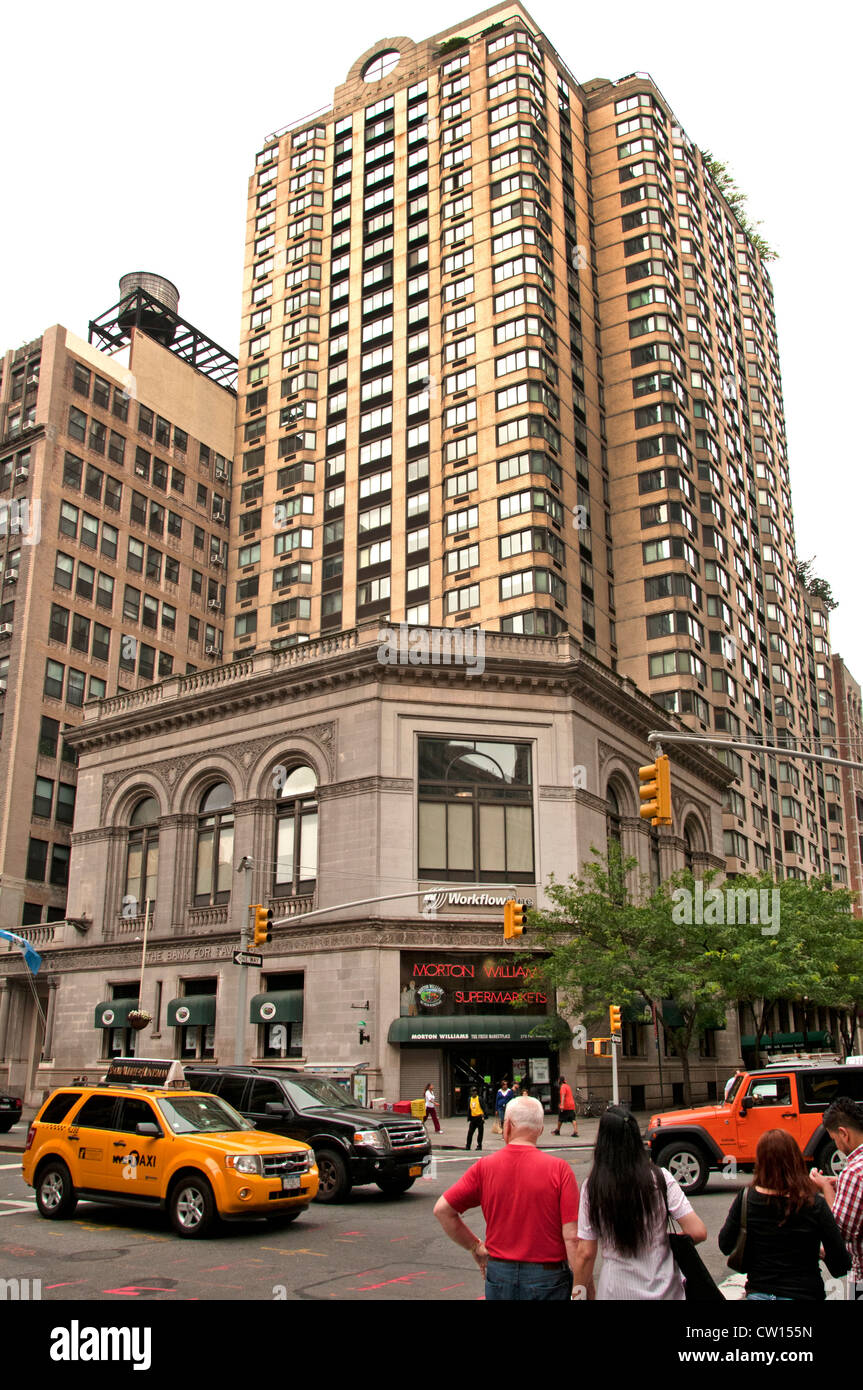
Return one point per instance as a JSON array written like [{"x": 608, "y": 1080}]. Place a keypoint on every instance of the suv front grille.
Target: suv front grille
[
  {"x": 407, "y": 1136},
  {"x": 277, "y": 1165}
]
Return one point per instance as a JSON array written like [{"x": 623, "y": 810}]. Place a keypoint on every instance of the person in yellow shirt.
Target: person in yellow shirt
[{"x": 476, "y": 1119}]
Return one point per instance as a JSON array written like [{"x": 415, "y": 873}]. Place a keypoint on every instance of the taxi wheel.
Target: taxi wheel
[
  {"x": 192, "y": 1207},
  {"x": 334, "y": 1183},
  {"x": 283, "y": 1218},
  {"x": 394, "y": 1187},
  {"x": 55, "y": 1196}
]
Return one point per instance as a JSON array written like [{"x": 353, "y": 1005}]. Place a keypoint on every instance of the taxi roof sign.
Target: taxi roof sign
[{"x": 146, "y": 1071}]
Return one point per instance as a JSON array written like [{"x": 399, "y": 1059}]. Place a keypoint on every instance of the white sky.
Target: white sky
[{"x": 129, "y": 132}]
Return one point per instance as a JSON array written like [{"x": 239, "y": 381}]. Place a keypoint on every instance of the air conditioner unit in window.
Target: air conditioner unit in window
[
  {"x": 5, "y": 629},
  {"x": 215, "y": 604},
  {"x": 217, "y": 561},
  {"x": 221, "y": 475},
  {"x": 22, "y": 474},
  {"x": 213, "y": 651},
  {"x": 2, "y": 687},
  {"x": 219, "y": 516},
  {"x": 11, "y": 576}
]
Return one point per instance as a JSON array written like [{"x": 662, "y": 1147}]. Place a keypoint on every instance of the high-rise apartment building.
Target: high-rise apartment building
[
  {"x": 115, "y": 474},
  {"x": 509, "y": 360},
  {"x": 845, "y": 708}
]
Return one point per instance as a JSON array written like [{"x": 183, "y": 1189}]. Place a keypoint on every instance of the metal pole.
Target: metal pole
[
  {"x": 144, "y": 953},
  {"x": 393, "y": 897},
  {"x": 615, "y": 1089},
  {"x": 774, "y": 749},
  {"x": 245, "y": 866},
  {"x": 658, "y": 1054}
]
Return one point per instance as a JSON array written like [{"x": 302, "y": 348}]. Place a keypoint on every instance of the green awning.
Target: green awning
[
  {"x": 282, "y": 1006},
  {"x": 114, "y": 1013},
  {"x": 671, "y": 1015},
  {"x": 637, "y": 1011},
  {"x": 814, "y": 1036},
  {"x": 192, "y": 1010},
  {"x": 467, "y": 1028}
]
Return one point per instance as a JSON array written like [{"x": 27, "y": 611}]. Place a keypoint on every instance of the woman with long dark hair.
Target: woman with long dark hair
[
  {"x": 624, "y": 1209},
  {"x": 787, "y": 1222}
]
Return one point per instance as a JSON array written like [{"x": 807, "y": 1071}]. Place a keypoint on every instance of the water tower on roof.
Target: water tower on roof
[{"x": 147, "y": 316}]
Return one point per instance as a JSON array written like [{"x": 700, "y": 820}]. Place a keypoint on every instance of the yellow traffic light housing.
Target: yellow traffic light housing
[
  {"x": 513, "y": 919},
  {"x": 262, "y": 924},
  {"x": 655, "y": 791},
  {"x": 614, "y": 1022}
]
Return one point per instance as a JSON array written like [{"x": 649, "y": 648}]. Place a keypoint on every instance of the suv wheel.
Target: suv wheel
[
  {"x": 394, "y": 1187},
  {"x": 56, "y": 1198},
  {"x": 830, "y": 1160},
  {"x": 192, "y": 1206},
  {"x": 334, "y": 1183},
  {"x": 687, "y": 1164}
]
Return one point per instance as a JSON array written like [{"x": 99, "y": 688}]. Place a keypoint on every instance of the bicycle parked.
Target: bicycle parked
[{"x": 590, "y": 1106}]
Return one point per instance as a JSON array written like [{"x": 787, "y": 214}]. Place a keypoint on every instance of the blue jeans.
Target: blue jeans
[
  {"x": 506, "y": 1279},
  {"x": 767, "y": 1298}
]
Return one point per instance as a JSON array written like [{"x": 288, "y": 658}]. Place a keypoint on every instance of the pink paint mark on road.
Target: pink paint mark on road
[
  {"x": 450, "y": 1286},
  {"x": 66, "y": 1285},
  {"x": 132, "y": 1290},
  {"x": 400, "y": 1279},
  {"x": 393, "y": 1239},
  {"x": 212, "y": 1268}
]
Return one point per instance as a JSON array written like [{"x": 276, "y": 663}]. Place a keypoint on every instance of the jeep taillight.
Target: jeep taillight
[{"x": 31, "y": 1135}]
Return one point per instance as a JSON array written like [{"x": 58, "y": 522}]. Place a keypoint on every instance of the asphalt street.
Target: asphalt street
[{"x": 371, "y": 1247}]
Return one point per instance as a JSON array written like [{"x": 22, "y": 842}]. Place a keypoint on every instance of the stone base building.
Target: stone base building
[{"x": 347, "y": 773}]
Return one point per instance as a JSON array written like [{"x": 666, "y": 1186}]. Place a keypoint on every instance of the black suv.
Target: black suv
[{"x": 352, "y": 1145}]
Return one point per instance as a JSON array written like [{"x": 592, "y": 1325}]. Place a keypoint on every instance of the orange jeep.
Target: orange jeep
[{"x": 691, "y": 1143}]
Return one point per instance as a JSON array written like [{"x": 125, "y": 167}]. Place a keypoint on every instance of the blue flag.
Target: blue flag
[{"x": 33, "y": 959}]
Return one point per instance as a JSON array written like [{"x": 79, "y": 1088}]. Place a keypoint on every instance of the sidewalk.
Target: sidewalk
[{"x": 454, "y": 1133}]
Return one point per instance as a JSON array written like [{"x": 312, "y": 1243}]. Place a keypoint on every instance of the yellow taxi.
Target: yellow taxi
[{"x": 142, "y": 1138}]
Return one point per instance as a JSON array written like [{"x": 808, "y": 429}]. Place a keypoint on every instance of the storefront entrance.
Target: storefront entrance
[{"x": 485, "y": 1068}]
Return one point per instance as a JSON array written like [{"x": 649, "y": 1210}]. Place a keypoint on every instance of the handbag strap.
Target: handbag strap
[
  {"x": 744, "y": 1207},
  {"x": 670, "y": 1221}
]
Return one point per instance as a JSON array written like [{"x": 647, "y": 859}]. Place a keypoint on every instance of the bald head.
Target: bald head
[{"x": 523, "y": 1120}]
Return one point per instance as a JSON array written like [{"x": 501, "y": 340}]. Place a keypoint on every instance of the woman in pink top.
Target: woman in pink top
[{"x": 566, "y": 1107}]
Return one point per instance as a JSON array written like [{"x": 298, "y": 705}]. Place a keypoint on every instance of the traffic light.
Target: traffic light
[
  {"x": 655, "y": 791},
  {"x": 513, "y": 919},
  {"x": 262, "y": 922},
  {"x": 614, "y": 1018}
]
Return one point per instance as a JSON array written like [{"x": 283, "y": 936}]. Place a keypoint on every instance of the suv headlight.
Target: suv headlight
[
  {"x": 245, "y": 1163},
  {"x": 374, "y": 1138}
]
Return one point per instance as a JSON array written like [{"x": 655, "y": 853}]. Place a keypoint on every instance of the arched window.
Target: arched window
[
  {"x": 692, "y": 842},
  {"x": 297, "y": 834},
  {"x": 142, "y": 857},
  {"x": 214, "y": 864},
  {"x": 612, "y": 817}
]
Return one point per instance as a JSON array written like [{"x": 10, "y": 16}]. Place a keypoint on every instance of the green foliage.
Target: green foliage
[
  {"x": 736, "y": 200},
  {"x": 449, "y": 44},
  {"x": 613, "y": 938},
  {"x": 818, "y": 588}
]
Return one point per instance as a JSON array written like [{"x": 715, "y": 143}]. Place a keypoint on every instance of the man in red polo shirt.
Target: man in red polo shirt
[{"x": 530, "y": 1204}]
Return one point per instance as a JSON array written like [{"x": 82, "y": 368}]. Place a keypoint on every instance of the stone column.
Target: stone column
[
  {"x": 5, "y": 1005},
  {"x": 175, "y": 887},
  {"x": 48, "y": 1043}
]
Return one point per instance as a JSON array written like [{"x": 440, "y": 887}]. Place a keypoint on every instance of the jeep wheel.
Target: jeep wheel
[
  {"x": 333, "y": 1181},
  {"x": 830, "y": 1160},
  {"x": 394, "y": 1187},
  {"x": 687, "y": 1164},
  {"x": 192, "y": 1207},
  {"x": 56, "y": 1198}
]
